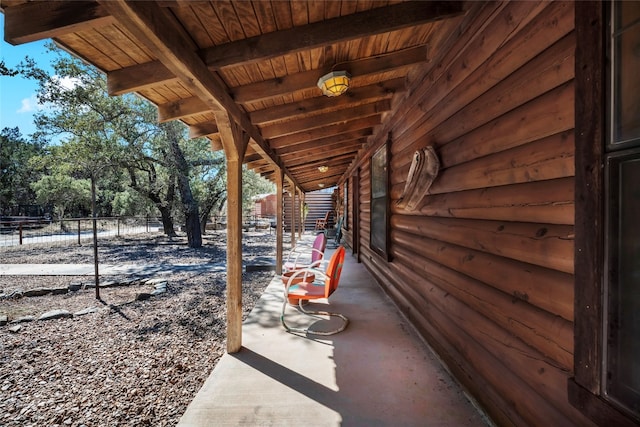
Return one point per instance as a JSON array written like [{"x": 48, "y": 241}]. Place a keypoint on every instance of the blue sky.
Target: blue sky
[{"x": 17, "y": 95}]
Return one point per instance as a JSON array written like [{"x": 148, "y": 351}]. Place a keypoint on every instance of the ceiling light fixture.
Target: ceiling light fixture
[
  {"x": 323, "y": 168},
  {"x": 334, "y": 83}
]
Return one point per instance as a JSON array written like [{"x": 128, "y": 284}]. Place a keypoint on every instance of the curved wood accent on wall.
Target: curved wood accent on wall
[{"x": 485, "y": 268}]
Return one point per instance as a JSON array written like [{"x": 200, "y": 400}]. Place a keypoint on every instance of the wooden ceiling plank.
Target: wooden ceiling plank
[
  {"x": 328, "y": 141},
  {"x": 41, "y": 20},
  {"x": 327, "y": 131},
  {"x": 299, "y": 81},
  {"x": 341, "y": 29},
  {"x": 322, "y": 120},
  {"x": 323, "y": 153},
  {"x": 323, "y": 158},
  {"x": 328, "y": 147},
  {"x": 314, "y": 105},
  {"x": 137, "y": 77}
]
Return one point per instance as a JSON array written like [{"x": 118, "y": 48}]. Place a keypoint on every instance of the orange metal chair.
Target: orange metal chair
[
  {"x": 303, "y": 257},
  {"x": 310, "y": 283}
]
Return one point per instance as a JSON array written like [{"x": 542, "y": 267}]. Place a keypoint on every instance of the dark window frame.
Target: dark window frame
[
  {"x": 380, "y": 212},
  {"x": 585, "y": 389}
]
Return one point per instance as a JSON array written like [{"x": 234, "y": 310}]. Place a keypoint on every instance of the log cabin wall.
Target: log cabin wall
[{"x": 484, "y": 267}]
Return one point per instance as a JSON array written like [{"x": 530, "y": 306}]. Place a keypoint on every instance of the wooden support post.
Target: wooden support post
[
  {"x": 300, "y": 216},
  {"x": 293, "y": 215},
  {"x": 235, "y": 143},
  {"x": 279, "y": 214}
]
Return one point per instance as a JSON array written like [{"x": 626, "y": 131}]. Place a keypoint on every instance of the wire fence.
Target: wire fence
[{"x": 71, "y": 231}]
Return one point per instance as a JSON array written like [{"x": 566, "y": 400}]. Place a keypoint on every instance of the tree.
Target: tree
[
  {"x": 15, "y": 173},
  {"x": 63, "y": 192}
]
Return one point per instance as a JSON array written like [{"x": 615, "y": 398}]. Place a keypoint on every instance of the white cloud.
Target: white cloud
[
  {"x": 67, "y": 83},
  {"x": 29, "y": 105}
]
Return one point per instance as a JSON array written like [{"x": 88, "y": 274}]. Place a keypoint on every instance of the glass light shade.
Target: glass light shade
[
  {"x": 323, "y": 168},
  {"x": 335, "y": 83}
]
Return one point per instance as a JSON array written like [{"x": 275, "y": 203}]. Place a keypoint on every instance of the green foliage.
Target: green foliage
[
  {"x": 64, "y": 192},
  {"x": 15, "y": 173}
]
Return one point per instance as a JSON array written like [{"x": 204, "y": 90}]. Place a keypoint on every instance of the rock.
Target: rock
[
  {"x": 159, "y": 291},
  {"x": 75, "y": 286},
  {"x": 155, "y": 281},
  {"x": 15, "y": 328},
  {"x": 59, "y": 291},
  {"x": 142, "y": 296},
  {"x": 36, "y": 292},
  {"x": 3, "y": 320},
  {"x": 24, "y": 319},
  {"x": 55, "y": 314},
  {"x": 88, "y": 310}
]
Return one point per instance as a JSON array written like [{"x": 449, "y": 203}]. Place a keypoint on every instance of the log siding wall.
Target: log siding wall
[{"x": 484, "y": 268}]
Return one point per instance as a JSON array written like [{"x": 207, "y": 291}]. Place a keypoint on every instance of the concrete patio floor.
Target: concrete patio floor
[{"x": 376, "y": 373}]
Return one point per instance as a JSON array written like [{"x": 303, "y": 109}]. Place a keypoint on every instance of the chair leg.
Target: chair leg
[{"x": 345, "y": 321}]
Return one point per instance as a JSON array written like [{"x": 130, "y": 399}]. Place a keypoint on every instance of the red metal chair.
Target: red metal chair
[
  {"x": 323, "y": 223},
  {"x": 309, "y": 284},
  {"x": 303, "y": 257}
]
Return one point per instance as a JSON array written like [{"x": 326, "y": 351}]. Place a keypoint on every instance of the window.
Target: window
[
  {"x": 380, "y": 202},
  {"x": 606, "y": 386},
  {"x": 621, "y": 350}
]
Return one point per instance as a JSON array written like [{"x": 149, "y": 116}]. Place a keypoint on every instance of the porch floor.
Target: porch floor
[{"x": 375, "y": 373}]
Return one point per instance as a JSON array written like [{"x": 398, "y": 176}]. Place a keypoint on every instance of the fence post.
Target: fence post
[
  {"x": 20, "y": 232},
  {"x": 118, "y": 223},
  {"x": 79, "y": 241},
  {"x": 147, "y": 223}
]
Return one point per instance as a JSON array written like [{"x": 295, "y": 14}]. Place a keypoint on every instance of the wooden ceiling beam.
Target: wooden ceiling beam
[
  {"x": 142, "y": 76},
  {"x": 328, "y": 141},
  {"x": 351, "y": 98},
  {"x": 312, "y": 162},
  {"x": 40, "y": 20},
  {"x": 325, "y": 132},
  {"x": 322, "y": 120},
  {"x": 138, "y": 77},
  {"x": 336, "y": 30},
  {"x": 157, "y": 28},
  {"x": 261, "y": 91},
  {"x": 325, "y": 150},
  {"x": 326, "y": 157},
  {"x": 181, "y": 108},
  {"x": 202, "y": 129}
]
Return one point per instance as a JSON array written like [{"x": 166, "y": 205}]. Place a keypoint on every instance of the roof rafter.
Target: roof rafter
[
  {"x": 321, "y": 120},
  {"x": 336, "y": 30},
  {"x": 40, "y": 20},
  {"x": 142, "y": 76}
]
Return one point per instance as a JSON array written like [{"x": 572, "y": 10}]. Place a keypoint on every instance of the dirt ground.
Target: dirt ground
[{"x": 130, "y": 362}]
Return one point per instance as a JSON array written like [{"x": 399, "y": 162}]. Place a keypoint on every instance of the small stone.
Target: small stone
[
  {"x": 55, "y": 314},
  {"x": 88, "y": 310},
  {"x": 24, "y": 319},
  {"x": 3, "y": 320},
  {"x": 142, "y": 296},
  {"x": 36, "y": 292},
  {"x": 15, "y": 328},
  {"x": 75, "y": 286}
]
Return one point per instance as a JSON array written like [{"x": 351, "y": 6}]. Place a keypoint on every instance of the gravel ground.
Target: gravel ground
[{"x": 130, "y": 363}]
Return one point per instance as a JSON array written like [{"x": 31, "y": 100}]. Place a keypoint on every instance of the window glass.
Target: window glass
[
  {"x": 623, "y": 331},
  {"x": 379, "y": 202},
  {"x": 626, "y": 84},
  {"x": 621, "y": 375}
]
